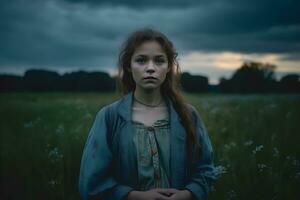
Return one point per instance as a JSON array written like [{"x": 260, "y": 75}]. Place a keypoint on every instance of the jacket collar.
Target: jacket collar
[{"x": 125, "y": 107}]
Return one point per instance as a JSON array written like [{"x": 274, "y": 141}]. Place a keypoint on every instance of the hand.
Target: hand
[
  {"x": 160, "y": 194},
  {"x": 179, "y": 194},
  {"x": 153, "y": 194}
]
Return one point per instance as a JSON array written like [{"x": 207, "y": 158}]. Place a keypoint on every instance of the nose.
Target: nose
[{"x": 150, "y": 66}]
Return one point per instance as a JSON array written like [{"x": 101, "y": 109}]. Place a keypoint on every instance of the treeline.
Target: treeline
[
  {"x": 43, "y": 80},
  {"x": 255, "y": 77},
  {"x": 251, "y": 77}
]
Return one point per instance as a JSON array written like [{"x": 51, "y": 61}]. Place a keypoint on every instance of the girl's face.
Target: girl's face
[{"x": 149, "y": 65}]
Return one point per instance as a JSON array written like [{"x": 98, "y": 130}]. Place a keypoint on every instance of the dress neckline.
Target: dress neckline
[{"x": 159, "y": 122}]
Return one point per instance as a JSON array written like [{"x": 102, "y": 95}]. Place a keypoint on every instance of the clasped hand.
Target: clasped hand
[{"x": 160, "y": 194}]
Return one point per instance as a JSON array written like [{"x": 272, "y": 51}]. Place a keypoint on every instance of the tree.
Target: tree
[
  {"x": 251, "y": 77},
  {"x": 194, "y": 83},
  {"x": 290, "y": 83}
]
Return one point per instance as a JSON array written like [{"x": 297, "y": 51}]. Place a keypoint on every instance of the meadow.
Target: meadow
[{"x": 255, "y": 139}]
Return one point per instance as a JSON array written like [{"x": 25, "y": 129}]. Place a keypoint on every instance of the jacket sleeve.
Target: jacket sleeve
[
  {"x": 203, "y": 174},
  {"x": 96, "y": 179}
]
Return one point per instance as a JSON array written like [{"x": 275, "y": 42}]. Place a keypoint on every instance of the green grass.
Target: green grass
[{"x": 255, "y": 138}]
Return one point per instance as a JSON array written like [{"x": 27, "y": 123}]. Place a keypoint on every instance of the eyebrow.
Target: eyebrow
[{"x": 142, "y": 55}]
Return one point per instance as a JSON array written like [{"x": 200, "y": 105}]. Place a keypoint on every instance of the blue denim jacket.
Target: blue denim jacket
[{"x": 109, "y": 162}]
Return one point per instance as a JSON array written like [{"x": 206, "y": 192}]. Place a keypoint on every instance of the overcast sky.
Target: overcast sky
[{"x": 212, "y": 37}]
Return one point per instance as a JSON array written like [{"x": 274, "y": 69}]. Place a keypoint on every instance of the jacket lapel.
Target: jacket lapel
[{"x": 177, "y": 148}]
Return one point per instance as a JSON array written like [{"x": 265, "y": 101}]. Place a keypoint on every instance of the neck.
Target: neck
[{"x": 149, "y": 97}]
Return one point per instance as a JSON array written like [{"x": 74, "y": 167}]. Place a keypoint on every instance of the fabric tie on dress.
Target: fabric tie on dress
[{"x": 153, "y": 152}]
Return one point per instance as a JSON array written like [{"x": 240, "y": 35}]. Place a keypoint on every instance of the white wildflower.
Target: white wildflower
[
  {"x": 55, "y": 155},
  {"x": 272, "y": 106},
  {"x": 257, "y": 149},
  {"x": 233, "y": 144},
  {"x": 261, "y": 167},
  {"x": 214, "y": 111},
  {"x": 221, "y": 170},
  {"x": 295, "y": 162},
  {"x": 230, "y": 145},
  {"x": 276, "y": 152},
  {"x": 232, "y": 194},
  {"x": 31, "y": 124},
  {"x": 60, "y": 129},
  {"x": 248, "y": 143},
  {"x": 28, "y": 124},
  {"x": 53, "y": 182}
]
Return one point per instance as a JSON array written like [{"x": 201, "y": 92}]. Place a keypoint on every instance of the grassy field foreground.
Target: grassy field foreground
[{"x": 255, "y": 138}]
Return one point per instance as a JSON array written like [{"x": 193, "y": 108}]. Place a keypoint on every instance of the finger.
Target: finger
[
  {"x": 173, "y": 190},
  {"x": 162, "y": 197},
  {"x": 164, "y": 190},
  {"x": 165, "y": 193}
]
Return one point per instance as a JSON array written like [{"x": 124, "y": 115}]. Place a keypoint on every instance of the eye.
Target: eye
[
  {"x": 140, "y": 60},
  {"x": 160, "y": 60}
]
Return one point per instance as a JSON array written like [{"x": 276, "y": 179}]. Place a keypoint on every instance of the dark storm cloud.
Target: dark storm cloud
[
  {"x": 38, "y": 33},
  {"x": 261, "y": 20},
  {"x": 253, "y": 26},
  {"x": 140, "y": 4},
  {"x": 89, "y": 32}
]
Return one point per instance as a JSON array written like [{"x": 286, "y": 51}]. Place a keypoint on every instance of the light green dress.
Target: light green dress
[{"x": 153, "y": 153}]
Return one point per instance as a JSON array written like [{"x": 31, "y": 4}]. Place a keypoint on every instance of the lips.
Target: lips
[{"x": 150, "y": 78}]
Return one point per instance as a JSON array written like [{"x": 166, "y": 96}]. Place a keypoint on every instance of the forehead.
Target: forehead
[{"x": 149, "y": 48}]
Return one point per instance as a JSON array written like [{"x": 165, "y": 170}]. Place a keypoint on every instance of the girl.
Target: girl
[{"x": 150, "y": 144}]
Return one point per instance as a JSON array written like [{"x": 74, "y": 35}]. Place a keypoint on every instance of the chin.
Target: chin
[{"x": 150, "y": 87}]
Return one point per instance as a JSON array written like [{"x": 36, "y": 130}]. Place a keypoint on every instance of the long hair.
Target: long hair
[{"x": 171, "y": 86}]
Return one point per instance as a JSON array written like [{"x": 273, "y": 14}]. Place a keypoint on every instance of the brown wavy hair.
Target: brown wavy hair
[{"x": 171, "y": 87}]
